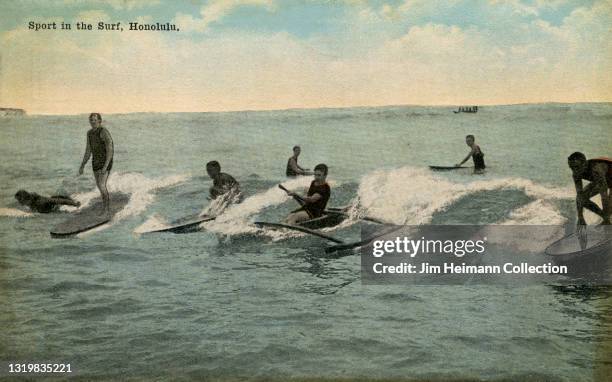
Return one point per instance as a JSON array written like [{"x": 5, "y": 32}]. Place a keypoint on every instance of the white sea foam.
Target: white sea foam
[
  {"x": 140, "y": 189},
  {"x": 411, "y": 195},
  {"x": 153, "y": 223},
  {"x": 236, "y": 219},
  {"x": 538, "y": 212},
  {"x": 404, "y": 195},
  {"x": 15, "y": 213}
]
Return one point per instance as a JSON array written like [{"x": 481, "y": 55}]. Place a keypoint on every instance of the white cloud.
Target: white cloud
[
  {"x": 187, "y": 23},
  {"x": 214, "y": 11},
  {"x": 428, "y": 64},
  {"x": 92, "y": 16},
  {"x": 115, "y": 4},
  {"x": 131, "y": 4},
  {"x": 517, "y": 7}
]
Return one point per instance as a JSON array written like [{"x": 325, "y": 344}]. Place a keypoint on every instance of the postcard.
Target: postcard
[{"x": 399, "y": 190}]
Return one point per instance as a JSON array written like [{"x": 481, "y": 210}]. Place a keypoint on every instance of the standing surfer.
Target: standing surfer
[
  {"x": 475, "y": 153},
  {"x": 316, "y": 198},
  {"x": 100, "y": 146},
  {"x": 293, "y": 169},
  {"x": 598, "y": 172}
]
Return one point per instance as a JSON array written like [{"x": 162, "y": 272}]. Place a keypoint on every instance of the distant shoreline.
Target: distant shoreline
[
  {"x": 9, "y": 111},
  {"x": 325, "y": 108}
]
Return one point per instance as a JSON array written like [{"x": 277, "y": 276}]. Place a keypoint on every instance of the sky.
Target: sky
[{"x": 279, "y": 54}]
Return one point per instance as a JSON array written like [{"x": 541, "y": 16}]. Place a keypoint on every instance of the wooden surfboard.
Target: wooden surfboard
[
  {"x": 185, "y": 225},
  {"x": 569, "y": 248},
  {"x": 90, "y": 217},
  {"x": 446, "y": 168},
  {"x": 300, "y": 229}
]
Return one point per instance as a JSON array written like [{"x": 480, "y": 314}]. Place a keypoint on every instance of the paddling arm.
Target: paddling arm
[
  {"x": 296, "y": 167},
  {"x": 579, "y": 201},
  {"x": 307, "y": 199},
  {"x": 62, "y": 200},
  {"x": 466, "y": 158}
]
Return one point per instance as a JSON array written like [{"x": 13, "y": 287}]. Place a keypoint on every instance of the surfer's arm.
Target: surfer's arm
[
  {"x": 224, "y": 184},
  {"x": 579, "y": 201},
  {"x": 64, "y": 201},
  {"x": 466, "y": 158},
  {"x": 306, "y": 199},
  {"x": 214, "y": 192},
  {"x": 109, "y": 148},
  {"x": 296, "y": 168},
  {"x": 306, "y": 171},
  {"x": 86, "y": 156},
  {"x": 312, "y": 199}
]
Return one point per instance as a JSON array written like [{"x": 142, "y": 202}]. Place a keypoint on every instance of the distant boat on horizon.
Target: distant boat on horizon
[{"x": 466, "y": 109}]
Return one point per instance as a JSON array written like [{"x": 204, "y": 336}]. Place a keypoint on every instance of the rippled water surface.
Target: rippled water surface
[{"x": 235, "y": 301}]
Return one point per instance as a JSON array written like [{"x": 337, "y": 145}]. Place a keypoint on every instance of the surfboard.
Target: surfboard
[
  {"x": 185, "y": 225},
  {"x": 568, "y": 248},
  {"x": 361, "y": 243},
  {"x": 446, "y": 168},
  {"x": 89, "y": 217},
  {"x": 299, "y": 228}
]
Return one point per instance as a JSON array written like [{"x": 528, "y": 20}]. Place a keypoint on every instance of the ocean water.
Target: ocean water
[{"x": 236, "y": 301}]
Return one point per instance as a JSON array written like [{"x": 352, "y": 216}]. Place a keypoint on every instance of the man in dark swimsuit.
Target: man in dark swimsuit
[
  {"x": 43, "y": 204},
  {"x": 100, "y": 146},
  {"x": 222, "y": 182},
  {"x": 315, "y": 200},
  {"x": 598, "y": 172},
  {"x": 293, "y": 169},
  {"x": 475, "y": 153}
]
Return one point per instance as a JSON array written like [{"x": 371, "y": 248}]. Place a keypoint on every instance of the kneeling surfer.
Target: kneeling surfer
[
  {"x": 315, "y": 200},
  {"x": 222, "y": 182},
  {"x": 475, "y": 153}
]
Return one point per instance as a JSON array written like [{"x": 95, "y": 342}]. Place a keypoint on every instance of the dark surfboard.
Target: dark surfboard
[
  {"x": 446, "y": 168},
  {"x": 360, "y": 243},
  {"x": 89, "y": 217},
  {"x": 300, "y": 229},
  {"x": 185, "y": 225},
  {"x": 568, "y": 249}
]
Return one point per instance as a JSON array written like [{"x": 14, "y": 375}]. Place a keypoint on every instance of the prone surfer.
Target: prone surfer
[
  {"x": 475, "y": 153},
  {"x": 316, "y": 198},
  {"x": 293, "y": 169},
  {"x": 598, "y": 172},
  {"x": 43, "y": 204},
  {"x": 100, "y": 146},
  {"x": 222, "y": 182}
]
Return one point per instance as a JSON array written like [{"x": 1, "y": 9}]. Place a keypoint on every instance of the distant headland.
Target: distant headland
[{"x": 10, "y": 112}]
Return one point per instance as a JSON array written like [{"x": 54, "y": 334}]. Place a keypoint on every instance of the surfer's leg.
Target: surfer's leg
[
  {"x": 296, "y": 217},
  {"x": 585, "y": 200},
  {"x": 101, "y": 178},
  {"x": 606, "y": 203}
]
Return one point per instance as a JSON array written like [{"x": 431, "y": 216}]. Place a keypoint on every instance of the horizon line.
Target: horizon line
[{"x": 316, "y": 108}]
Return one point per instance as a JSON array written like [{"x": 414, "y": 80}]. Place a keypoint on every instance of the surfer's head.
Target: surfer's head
[
  {"x": 320, "y": 172},
  {"x": 577, "y": 162},
  {"x": 296, "y": 151},
  {"x": 23, "y": 197},
  {"x": 213, "y": 168},
  {"x": 95, "y": 120},
  {"x": 469, "y": 140}
]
